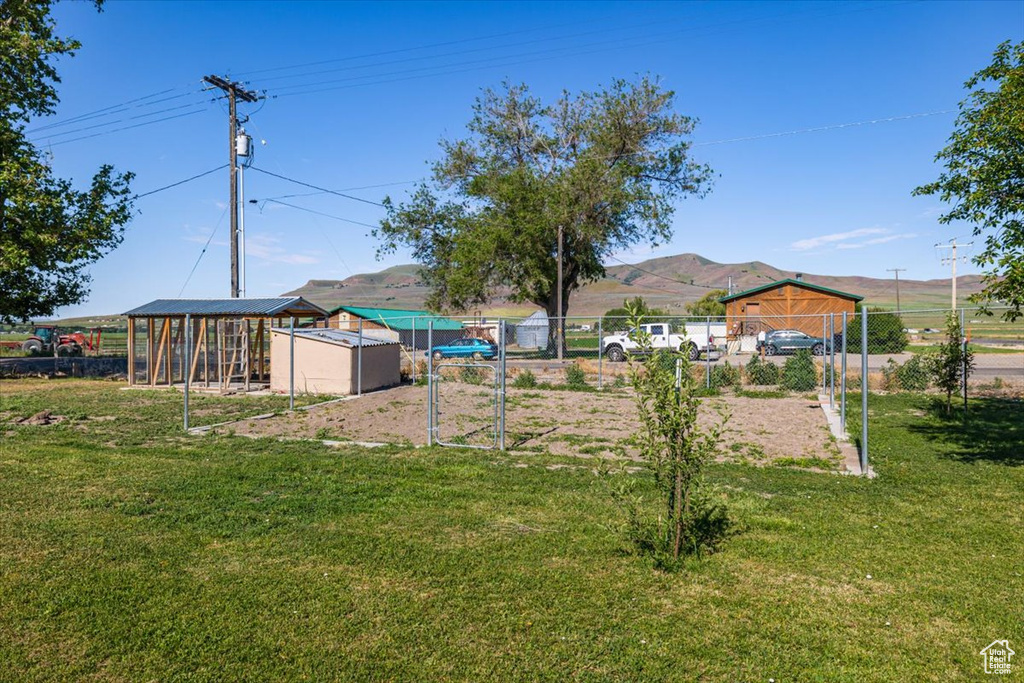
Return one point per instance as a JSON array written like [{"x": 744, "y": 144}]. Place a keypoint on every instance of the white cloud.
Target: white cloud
[
  {"x": 821, "y": 240},
  {"x": 876, "y": 240},
  {"x": 266, "y": 248}
]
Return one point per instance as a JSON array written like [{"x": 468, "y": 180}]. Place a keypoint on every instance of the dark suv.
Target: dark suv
[{"x": 790, "y": 341}]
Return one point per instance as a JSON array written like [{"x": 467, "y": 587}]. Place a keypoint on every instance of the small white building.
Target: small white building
[
  {"x": 328, "y": 361},
  {"x": 532, "y": 333}
]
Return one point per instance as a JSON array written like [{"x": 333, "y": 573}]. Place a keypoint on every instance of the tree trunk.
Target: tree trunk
[
  {"x": 556, "y": 322},
  {"x": 678, "y": 513}
]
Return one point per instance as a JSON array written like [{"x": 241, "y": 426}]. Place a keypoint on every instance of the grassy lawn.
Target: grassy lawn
[
  {"x": 129, "y": 551},
  {"x": 997, "y": 350}
]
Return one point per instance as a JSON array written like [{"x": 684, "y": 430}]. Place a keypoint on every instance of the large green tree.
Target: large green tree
[
  {"x": 49, "y": 230},
  {"x": 708, "y": 304},
  {"x": 603, "y": 167},
  {"x": 984, "y": 176}
]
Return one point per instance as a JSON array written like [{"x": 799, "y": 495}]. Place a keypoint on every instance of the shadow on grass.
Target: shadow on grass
[{"x": 993, "y": 430}]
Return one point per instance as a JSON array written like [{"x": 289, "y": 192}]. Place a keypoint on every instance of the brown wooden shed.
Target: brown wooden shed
[{"x": 784, "y": 305}]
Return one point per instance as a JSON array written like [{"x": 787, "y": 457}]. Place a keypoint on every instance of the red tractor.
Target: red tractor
[{"x": 48, "y": 339}]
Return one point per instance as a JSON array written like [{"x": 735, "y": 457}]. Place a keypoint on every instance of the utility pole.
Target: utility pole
[
  {"x": 951, "y": 260},
  {"x": 897, "y": 271},
  {"x": 234, "y": 92}
]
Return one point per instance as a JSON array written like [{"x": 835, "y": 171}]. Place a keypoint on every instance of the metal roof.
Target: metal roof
[
  {"x": 791, "y": 281},
  {"x": 267, "y": 308},
  {"x": 536, "y": 319},
  {"x": 341, "y": 337},
  {"x": 401, "y": 319}
]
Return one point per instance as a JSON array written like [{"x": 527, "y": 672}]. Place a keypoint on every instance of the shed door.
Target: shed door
[{"x": 752, "y": 323}]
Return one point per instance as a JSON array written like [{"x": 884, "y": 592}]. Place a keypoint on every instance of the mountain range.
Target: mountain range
[{"x": 668, "y": 282}]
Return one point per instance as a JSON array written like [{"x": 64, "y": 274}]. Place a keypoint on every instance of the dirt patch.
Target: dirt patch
[
  {"x": 41, "y": 419},
  {"x": 579, "y": 424}
]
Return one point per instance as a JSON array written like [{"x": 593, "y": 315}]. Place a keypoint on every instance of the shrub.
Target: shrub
[
  {"x": 909, "y": 376},
  {"x": 913, "y": 374},
  {"x": 470, "y": 374},
  {"x": 799, "y": 373},
  {"x": 762, "y": 372},
  {"x": 725, "y": 376},
  {"x": 954, "y": 362},
  {"x": 885, "y": 333},
  {"x": 620, "y": 381},
  {"x": 675, "y": 448},
  {"x": 575, "y": 377},
  {"x": 525, "y": 380}
]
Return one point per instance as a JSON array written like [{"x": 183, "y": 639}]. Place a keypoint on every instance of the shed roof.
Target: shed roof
[
  {"x": 536, "y": 319},
  {"x": 401, "y": 318},
  {"x": 267, "y": 308},
  {"x": 339, "y": 337},
  {"x": 790, "y": 281}
]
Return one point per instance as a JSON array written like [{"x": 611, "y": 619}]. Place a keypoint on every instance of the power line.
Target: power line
[
  {"x": 205, "y": 247},
  {"x": 316, "y": 187},
  {"x": 137, "y": 125},
  {"x": 107, "y": 111},
  {"x": 669, "y": 36},
  {"x": 180, "y": 182},
  {"x": 318, "y": 213},
  {"x": 428, "y": 46},
  {"x": 869, "y": 122},
  {"x": 345, "y": 189},
  {"x": 111, "y": 123},
  {"x": 617, "y": 29}
]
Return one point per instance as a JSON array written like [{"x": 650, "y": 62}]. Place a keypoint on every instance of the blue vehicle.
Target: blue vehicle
[{"x": 477, "y": 349}]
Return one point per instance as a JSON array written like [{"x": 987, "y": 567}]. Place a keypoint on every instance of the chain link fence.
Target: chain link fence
[
  {"x": 45, "y": 339},
  {"x": 468, "y": 366}
]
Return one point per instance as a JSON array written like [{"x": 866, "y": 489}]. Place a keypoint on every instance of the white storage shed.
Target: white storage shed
[{"x": 328, "y": 361}]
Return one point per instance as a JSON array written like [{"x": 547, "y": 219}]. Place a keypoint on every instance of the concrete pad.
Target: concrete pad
[{"x": 851, "y": 457}]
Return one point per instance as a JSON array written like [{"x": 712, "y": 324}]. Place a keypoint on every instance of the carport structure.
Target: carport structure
[{"x": 230, "y": 339}]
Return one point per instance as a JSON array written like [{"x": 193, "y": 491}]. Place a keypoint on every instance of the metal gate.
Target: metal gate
[
  {"x": 466, "y": 401},
  {"x": 465, "y": 404}
]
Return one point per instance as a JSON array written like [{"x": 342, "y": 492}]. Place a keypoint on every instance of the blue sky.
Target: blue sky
[{"x": 359, "y": 95}]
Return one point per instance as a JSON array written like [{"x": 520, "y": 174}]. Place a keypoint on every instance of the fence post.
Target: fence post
[
  {"x": 291, "y": 364},
  {"x": 359, "y": 361},
  {"x": 600, "y": 357},
  {"x": 842, "y": 379},
  {"x": 864, "y": 384},
  {"x": 824, "y": 356},
  {"x": 501, "y": 369},
  {"x": 188, "y": 355},
  {"x": 707, "y": 352},
  {"x": 831, "y": 361},
  {"x": 413, "y": 350},
  {"x": 963, "y": 356},
  {"x": 430, "y": 383}
]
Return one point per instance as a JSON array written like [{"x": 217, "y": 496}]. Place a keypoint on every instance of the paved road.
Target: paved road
[{"x": 987, "y": 366}]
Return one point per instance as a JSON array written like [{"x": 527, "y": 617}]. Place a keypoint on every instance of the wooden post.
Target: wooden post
[
  {"x": 234, "y": 353},
  {"x": 259, "y": 342},
  {"x": 164, "y": 337},
  {"x": 247, "y": 361},
  {"x": 179, "y": 341},
  {"x": 150, "y": 340},
  {"x": 168, "y": 370},
  {"x": 199, "y": 346},
  {"x": 218, "y": 342},
  {"x": 131, "y": 351},
  {"x": 206, "y": 354}
]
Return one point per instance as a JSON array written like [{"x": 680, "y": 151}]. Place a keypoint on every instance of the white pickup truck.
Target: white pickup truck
[{"x": 694, "y": 341}]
